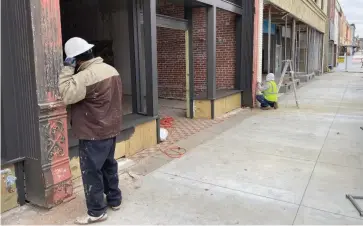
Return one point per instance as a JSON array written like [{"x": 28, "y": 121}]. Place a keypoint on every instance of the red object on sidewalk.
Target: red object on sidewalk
[
  {"x": 174, "y": 152},
  {"x": 166, "y": 122}
]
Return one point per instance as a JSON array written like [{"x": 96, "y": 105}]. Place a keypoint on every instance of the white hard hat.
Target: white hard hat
[
  {"x": 76, "y": 46},
  {"x": 270, "y": 77}
]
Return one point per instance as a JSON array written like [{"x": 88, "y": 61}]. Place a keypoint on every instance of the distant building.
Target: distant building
[
  {"x": 332, "y": 45},
  {"x": 352, "y": 36},
  {"x": 294, "y": 32}
]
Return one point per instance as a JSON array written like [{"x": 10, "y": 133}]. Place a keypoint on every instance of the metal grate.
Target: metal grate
[{"x": 20, "y": 133}]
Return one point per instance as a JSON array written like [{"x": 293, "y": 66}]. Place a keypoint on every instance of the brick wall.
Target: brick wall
[
  {"x": 171, "y": 63},
  {"x": 171, "y": 52},
  {"x": 200, "y": 49},
  {"x": 171, "y": 55},
  {"x": 226, "y": 50}
]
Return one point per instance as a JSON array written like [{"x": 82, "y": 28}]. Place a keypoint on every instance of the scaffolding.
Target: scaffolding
[
  {"x": 315, "y": 40},
  {"x": 292, "y": 40}
]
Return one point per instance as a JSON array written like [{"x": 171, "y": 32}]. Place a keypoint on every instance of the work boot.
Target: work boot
[
  {"x": 276, "y": 105},
  {"x": 265, "y": 108},
  {"x": 115, "y": 208},
  {"x": 89, "y": 219}
]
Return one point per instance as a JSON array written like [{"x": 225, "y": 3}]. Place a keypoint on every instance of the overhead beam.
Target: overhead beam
[
  {"x": 168, "y": 22},
  {"x": 223, "y": 4}
]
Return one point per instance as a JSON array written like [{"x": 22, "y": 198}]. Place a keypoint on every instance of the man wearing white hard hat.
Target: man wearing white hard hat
[
  {"x": 268, "y": 96},
  {"x": 94, "y": 91}
]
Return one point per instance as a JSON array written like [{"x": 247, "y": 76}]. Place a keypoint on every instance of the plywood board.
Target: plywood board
[
  {"x": 145, "y": 136},
  {"x": 227, "y": 104},
  {"x": 120, "y": 150},
  {"x": 203, "y": 109},
  {"x": 233, "y": 102},
  {"x": 135, "y": 141},
  {"x": 9, "y": 198},
  {"x": 149, "y": 134},
  {"x": 219, "y": 107}
]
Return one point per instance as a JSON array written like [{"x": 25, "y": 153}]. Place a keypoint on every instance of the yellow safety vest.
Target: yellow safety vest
[{"x": 271, "y": 93}]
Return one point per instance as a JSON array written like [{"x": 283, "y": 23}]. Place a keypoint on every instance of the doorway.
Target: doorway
[
  {"x": 104, "y": 24},
  {"x": 172, "y": 62}
]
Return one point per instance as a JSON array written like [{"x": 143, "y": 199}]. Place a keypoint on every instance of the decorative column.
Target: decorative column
[{"x": 52, "y": 183}]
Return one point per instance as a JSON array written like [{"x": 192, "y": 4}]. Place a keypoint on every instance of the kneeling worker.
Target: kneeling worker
[{"x": 269, "y": 97}]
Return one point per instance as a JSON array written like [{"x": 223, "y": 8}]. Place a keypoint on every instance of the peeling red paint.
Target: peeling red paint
[
  {"x": 59, "y": 193},
  {"x": 51, "y": 97},
  {"x": 58, "y": 175},
  {"x": 256, "y": 32},
  {"x": 51, "y": 35},
  {"x": 48, "y": 50},
  {"x": 61, "y": 173},
  {"x": 60, "y": 168},
  {"x": 51, "y": 10}
]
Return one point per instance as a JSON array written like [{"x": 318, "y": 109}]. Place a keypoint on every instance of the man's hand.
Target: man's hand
[{"x": 70, "y": 62}]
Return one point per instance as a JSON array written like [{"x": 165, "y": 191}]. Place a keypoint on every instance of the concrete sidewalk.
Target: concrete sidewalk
[
  {"x": 284, "y": 166},
  {"x": 277, "y": 167}
]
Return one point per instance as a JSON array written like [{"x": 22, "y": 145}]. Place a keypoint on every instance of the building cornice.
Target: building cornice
[{"x": 314, "y": 7}]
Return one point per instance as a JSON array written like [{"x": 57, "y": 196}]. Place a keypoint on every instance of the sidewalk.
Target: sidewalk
[
  {"x": 354, "y": 64},
  {"x": 287, "y": 166}
]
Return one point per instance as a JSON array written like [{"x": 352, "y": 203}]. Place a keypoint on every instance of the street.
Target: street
[{"x": 285, "y": 166}]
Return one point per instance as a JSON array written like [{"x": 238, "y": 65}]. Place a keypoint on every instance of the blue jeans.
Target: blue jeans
[
  {"x": 264, "y": 102},
  {"x": 99, "y": 174}
]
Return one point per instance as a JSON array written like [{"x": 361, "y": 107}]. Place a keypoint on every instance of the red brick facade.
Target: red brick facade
[
  {"x": 200, "y": 49},
  {"x": 171, "y": 52},
  {"x": 226, "y": 49}
]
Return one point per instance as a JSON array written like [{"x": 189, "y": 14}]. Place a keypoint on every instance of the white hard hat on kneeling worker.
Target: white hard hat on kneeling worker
[{"x": 270, "y": 77}]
